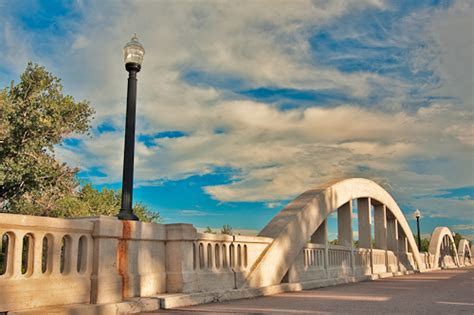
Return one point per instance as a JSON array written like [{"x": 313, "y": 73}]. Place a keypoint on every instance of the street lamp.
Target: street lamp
[
  {"x": 417, "y": 216},
  {"x": 133, "y": 54}
]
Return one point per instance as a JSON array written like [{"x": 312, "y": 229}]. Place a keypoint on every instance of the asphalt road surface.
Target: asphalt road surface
[{"x": 437, "y": 292}]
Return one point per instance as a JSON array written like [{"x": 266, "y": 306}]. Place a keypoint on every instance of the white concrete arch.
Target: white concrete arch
[
  {"x": 438, "y": 237},
  {"x": 295, "y": 224},
  {"x": 464, "y": 251}
]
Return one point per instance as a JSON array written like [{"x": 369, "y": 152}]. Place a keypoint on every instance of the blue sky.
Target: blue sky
[{"x": 241, "y": 107}]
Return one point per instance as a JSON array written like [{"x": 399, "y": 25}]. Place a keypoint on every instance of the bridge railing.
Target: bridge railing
[
  {"x": 339, "y": 261},
  {"x": 221, "y": 261},
  {"x": 312, "y": 263},
  {"x": 50, "y": 261},
  {"x": 392, "y": 261},
  {"x": 428, "y": 260},
  {"x": 44, "y": 261}
]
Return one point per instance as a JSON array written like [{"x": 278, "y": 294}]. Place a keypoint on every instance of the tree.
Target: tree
[
  {"x": 425, "y": 245},
  {"x": 226, "y": 229},
  {"x": 34, "y": 117},
  {"x": 209, "y": 230},
  {"x": 91, "y": 202},
  {"x": 457, "y": 238}
]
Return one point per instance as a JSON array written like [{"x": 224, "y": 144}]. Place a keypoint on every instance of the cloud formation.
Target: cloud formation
[{"x": 403, "y": 117}]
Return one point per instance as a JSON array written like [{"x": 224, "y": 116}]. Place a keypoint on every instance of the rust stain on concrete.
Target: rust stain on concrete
[{"x": 123, "y": 256}]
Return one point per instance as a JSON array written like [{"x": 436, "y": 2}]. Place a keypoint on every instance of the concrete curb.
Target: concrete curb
[
  {"x": 169, "y": 301},
  {"x": 133, "y": 305},
  {"x": 180, "y": 300}
]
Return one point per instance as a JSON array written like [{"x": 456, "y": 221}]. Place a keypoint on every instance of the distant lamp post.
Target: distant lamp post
[
  {"x": 417, "y": 216},
  {"x": 133, "y": 54}
]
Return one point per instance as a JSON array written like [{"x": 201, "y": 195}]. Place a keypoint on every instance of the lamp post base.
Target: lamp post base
[{"x": 125, "y": 214}]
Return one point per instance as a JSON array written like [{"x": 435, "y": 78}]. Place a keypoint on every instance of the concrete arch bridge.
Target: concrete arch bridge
[{"x": 105, "y": 266}]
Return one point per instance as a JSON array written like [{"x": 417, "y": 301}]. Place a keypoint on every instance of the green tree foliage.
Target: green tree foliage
[
  {"x": 226, "y": 229},
  {"x": 209, "y": 230},
  {"x": 35, "y": 116},
  {"x": 457, "y": 238},
  {"x": 425, "y": 245}
]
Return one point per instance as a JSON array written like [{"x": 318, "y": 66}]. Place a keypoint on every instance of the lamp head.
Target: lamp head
[
  {"x": 417, "y": 213},
  {"x": 133, "y": 52}
]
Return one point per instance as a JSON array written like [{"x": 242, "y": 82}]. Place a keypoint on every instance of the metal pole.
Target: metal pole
[
  {"x": 126, "y": 211},
  {"x": 418, "y": 228}
]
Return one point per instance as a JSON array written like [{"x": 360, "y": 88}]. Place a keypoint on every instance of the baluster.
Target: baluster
[
  {"x": 38, "y": 254},
  {"x": 17, "y": 253}
]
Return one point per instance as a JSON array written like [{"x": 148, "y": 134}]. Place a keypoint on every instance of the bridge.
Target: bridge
[{"x": 101, "y": 265}]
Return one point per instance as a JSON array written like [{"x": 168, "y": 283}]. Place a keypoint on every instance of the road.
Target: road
[{"x": 437, "y": 292}]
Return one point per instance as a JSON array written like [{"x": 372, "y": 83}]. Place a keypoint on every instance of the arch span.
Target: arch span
[
  {"x": 441, "y": 241},
  {"x": 464, "y": 252},
  {"x": 294, "y": 225}
]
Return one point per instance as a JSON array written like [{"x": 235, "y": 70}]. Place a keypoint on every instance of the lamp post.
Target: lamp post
[
  {"x": 133, "y": 54},
  {"x": 417, "y": 216}
]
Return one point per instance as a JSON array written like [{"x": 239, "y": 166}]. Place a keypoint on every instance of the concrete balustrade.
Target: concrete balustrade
[
  {"x": 104, "y": 261},
  {"x": 392, "y": 261},
  {"x": 46, "y": 261},
  {"x": 222, "y": 261}
]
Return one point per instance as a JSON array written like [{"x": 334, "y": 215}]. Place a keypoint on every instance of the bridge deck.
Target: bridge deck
[{"x": 437, "y": 292}]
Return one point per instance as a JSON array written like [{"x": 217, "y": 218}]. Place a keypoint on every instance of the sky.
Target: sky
[{"x": 244, "y": 105}]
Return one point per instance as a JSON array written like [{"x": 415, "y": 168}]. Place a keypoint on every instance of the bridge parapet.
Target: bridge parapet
[
  {"x": 50, "y": 261},
  {"x": 44, "y": 261},
  {"x": 221, "y": 261}
]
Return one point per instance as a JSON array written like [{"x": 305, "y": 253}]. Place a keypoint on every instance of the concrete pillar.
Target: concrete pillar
[
  {"x": 180, "y": 275},
  {"x": 380, "y": 226},
  {"x": 143, "y": 258},
  {"x": 321, "y": 237},
  {"x": 402, "y": 241},
  {"x": 344, "y": 224},
  {"x": 380, "y": 230},
  {"x": 365, "y": 236},
  {"x": 344, "y": 229},
  {"x": 106, "y": 282},
  {"x": 392, "y": 234}
]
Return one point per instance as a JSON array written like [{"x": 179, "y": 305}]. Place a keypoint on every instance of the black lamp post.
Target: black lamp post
[
  {"x": 417, "y": 215},
  {"x": 133, "y": 58}
]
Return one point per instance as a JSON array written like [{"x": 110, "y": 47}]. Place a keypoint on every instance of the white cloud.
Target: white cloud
[
  {"x": 195, "y": 213},
  {"x": 278, "y": 154}
]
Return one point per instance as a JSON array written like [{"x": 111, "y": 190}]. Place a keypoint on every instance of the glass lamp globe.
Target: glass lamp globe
[
  {"x": 133, "y": 52},
  {"x": 417, "y": 213}
]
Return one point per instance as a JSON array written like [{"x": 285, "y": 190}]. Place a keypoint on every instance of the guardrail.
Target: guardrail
[
  {"x": 221, "y": 261},
  {"x": 45, "y": 261}
]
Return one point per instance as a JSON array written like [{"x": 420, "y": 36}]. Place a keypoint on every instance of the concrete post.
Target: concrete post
[
  {"x": 142, "y": 258},
  {"x": 344, "y": 224},
  {"x": 365, "y": 231},
  {"x": 380, "y": 226},
  {"x": 392, "y": 235},
  {"x": 365, "y": 236},
  {"x": 321, "y": 237},
  {"x": 180, "y": 276},
  {"x": 392, "y": 238},
  {"x": 402, "y": 241},
  {"x": 106, "y": 282},
  {"x": 380, "y": 229},
  {"x": 402, "y": 249},
  {"x": 344, "y": 229}
]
